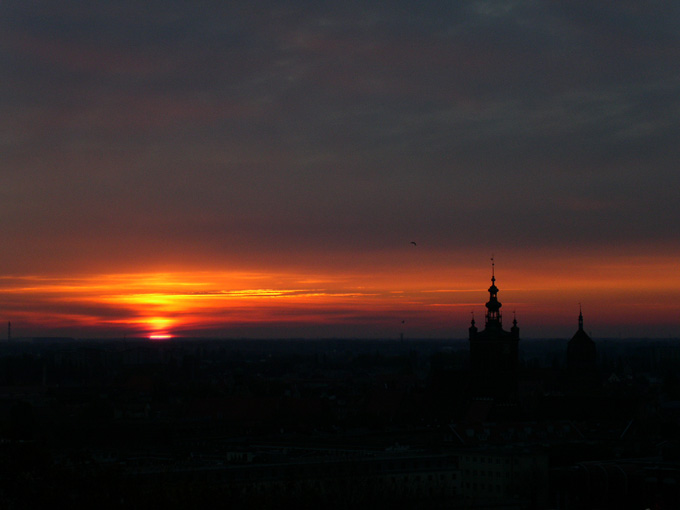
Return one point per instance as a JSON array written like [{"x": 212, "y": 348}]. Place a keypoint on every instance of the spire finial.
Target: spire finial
[
  {"x": 580, "y": 317},
  {"x": 493, "y": 269}
]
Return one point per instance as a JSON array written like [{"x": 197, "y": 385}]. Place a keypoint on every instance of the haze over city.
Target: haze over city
[{"x": 307, "y": 170}]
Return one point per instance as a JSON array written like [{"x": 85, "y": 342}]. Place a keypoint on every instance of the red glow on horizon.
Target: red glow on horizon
[{"x": 434, "y": 298}]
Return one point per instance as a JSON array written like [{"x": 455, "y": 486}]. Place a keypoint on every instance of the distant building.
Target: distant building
[
  {"x": 494, "y": 353},
  {"x": 581, "y": 360}
]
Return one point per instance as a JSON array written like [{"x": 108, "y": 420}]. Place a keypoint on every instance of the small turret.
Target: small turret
[
  {"x": 472, "y": 329},
  {"x": 514, "y": 329}
]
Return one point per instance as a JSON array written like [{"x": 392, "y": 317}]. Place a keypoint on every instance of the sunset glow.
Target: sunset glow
[
  {"x": 343, "y": 171},
  {"x": 432, "y": 301}
]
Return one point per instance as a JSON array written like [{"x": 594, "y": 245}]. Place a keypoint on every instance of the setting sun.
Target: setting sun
[
  {"x": 159, "y": 328},
  {"x": 160, "y": 337}
]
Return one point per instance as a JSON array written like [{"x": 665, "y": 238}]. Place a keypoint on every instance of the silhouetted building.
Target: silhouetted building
[
  {"x": 507, "y": 478},
  {"x": 581, "y": 359},
  {"x": 617, "y": 484},
  {"x": 494, "y": 353}
]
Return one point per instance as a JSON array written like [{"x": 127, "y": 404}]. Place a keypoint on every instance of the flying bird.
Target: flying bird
[{"x": 414, "y": 243}]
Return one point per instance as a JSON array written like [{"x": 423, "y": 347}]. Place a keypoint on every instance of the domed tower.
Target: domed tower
[
  {"x": 581, "y": 359},
  {"x": 494, "y": 352}
]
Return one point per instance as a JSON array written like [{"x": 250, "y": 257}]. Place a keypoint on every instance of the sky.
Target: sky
[{"x": 261, "y": 169}]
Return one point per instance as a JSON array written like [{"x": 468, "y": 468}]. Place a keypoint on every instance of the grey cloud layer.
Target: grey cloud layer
[{"x": 172, "y": 124}]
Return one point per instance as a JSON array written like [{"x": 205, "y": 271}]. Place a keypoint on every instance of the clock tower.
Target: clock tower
[{"x": 494, "y": 352}]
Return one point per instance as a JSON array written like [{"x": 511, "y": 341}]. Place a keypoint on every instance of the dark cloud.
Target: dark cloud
[{"x": 165, "y": 127}]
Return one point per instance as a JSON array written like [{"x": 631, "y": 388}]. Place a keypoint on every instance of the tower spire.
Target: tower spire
[
  {"x": 493, "y": 352},
  {"x": 493, "y": 314},
  {"x": 580, "y": 318}
]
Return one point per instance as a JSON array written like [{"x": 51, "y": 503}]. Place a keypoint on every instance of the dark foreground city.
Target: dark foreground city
[{"x": 338, "y": 423}]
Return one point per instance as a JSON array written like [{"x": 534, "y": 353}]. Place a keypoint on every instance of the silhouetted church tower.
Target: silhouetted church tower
[
  {"x": 581, "y": 359},
  {"x": 494, "y": 353}
]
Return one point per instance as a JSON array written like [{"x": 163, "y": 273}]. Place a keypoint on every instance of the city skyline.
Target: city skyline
[{"x": 258, "y": 170}]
